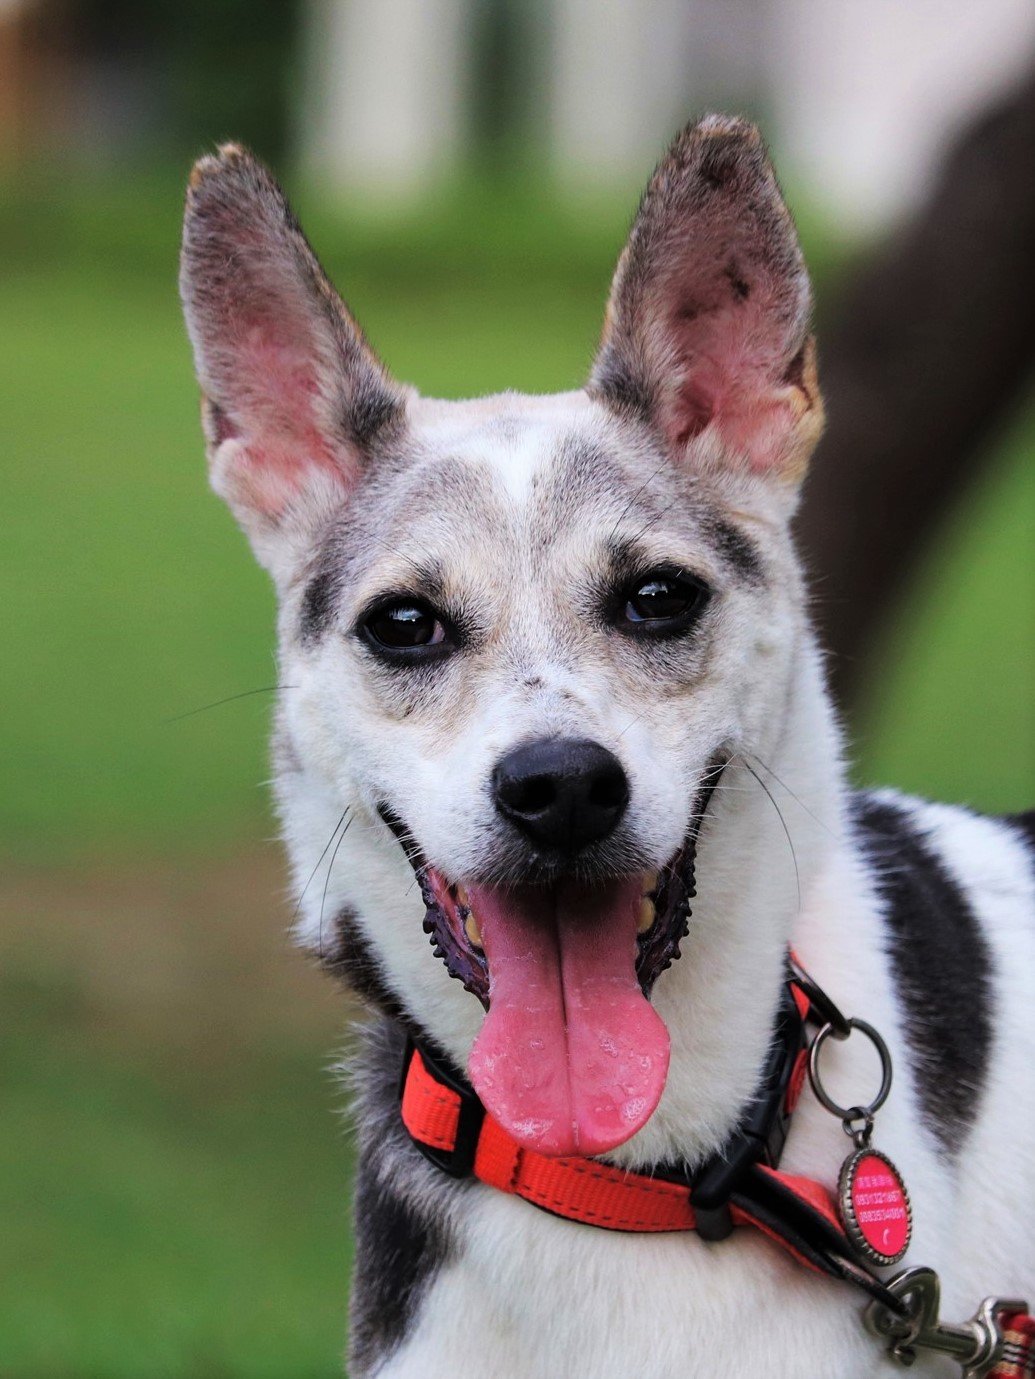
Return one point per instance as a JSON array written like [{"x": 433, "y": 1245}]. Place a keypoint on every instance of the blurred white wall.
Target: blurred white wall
[
  {"x": 860, "y": 95},
  {"x": 616, "y": 84},
  {"x": 625, "y": 75},
  {"x": 870, "y": 92},
  {"x": 384, "y": 92}
]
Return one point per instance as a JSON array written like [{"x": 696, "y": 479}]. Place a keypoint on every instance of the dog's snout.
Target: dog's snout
[{"x": 563, "y": 793}]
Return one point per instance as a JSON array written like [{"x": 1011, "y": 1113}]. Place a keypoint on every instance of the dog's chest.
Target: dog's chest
[{"x": 533, "y": 1296}]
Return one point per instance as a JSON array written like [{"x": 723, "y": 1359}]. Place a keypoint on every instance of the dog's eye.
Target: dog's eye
[
  {"x": 405, "y": 625},
  {"x": 662, "y": 603}
]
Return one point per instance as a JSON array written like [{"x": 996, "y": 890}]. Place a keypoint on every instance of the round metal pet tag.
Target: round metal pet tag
[{"x": 874, "y": 1206}]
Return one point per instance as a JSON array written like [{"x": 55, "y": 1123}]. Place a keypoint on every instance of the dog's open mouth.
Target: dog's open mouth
[{"x": 571, "y": 1058}]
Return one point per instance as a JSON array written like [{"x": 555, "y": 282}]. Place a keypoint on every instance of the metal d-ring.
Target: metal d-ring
[{"x": 850, "y": 1113}]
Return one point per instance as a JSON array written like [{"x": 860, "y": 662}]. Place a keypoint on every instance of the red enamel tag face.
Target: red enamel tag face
[{"x": 875, "y": 1207}]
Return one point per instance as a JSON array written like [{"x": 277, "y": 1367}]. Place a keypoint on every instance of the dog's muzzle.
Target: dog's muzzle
[{"x": 571, "y": 1056}]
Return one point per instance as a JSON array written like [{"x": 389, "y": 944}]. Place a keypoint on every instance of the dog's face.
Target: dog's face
[{"x": 524, "y": 635}]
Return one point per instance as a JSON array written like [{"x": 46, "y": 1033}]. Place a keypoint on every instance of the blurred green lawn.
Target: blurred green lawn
[{"x": 173, "y": 1204}]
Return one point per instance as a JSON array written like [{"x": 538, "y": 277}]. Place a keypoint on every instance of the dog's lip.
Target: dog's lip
[
  {"x": 445, "y": 922},
  {"x": 452, "y": 922}
]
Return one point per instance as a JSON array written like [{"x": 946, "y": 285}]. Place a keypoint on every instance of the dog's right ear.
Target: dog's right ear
[
  {"x": 293, "y": 394},
  {"x": 707, "y": 329}
]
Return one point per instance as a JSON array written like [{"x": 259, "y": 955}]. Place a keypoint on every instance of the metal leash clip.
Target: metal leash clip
[{"x": 976, "y": 1345}]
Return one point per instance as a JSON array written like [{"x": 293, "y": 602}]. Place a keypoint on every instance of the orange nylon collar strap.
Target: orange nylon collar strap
[
  {"x": 741, "y": 1185},
  {"x": 578, "y": 1189},
  {"x": 448, "y": 1123},
  {"x": 451, "y": 1128}
]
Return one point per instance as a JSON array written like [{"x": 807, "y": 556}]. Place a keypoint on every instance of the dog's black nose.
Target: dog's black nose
[{"x": 563, "y": 793}]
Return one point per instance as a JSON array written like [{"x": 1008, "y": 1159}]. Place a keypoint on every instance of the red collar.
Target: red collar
[
  {"x": 742, "y": 1185},
  {"x": 439, "y": 1119}
]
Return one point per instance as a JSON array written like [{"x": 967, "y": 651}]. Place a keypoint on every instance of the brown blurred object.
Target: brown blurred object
[
  {"x": 927, "y": 349},
  {"x": 15, "y": 79},
  {"x": 34, "y": 63},
  {"x": 185, "y": 957}
]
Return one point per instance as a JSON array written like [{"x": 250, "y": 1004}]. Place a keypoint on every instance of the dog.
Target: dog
[{"x": 561, "y": 787}]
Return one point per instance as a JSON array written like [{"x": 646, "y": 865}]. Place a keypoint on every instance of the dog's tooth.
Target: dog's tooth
[
  {"x": 471, "y": 929},
  {"x": 646, "y": 914},
  {"x": 650, "y": 882},
  {"x": 462, "y": 896}
]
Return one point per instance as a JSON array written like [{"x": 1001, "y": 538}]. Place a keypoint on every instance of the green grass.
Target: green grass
[
  {"x": 164, "y": 1217},
  {"x": 173, "y": 1169},
  {"x": 950, "y": 708},
  {"x": 123, "y": 604}
]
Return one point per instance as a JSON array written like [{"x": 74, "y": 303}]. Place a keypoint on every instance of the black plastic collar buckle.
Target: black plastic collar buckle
[
  {"x": 458, "y": 1162},
  {"x": 761, "y": 1132}
]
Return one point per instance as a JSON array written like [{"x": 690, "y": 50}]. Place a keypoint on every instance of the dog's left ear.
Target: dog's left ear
[
  {"x": 293, "y": 396},
  {"x": 707, "y": 327}
]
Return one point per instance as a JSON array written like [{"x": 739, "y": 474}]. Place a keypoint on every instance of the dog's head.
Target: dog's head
[{"x": 521, "y": 635}]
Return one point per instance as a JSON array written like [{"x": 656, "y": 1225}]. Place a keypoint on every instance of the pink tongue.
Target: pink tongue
[{"x": 571, "y": 1058}]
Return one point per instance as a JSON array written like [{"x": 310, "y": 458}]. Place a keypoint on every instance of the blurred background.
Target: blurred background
[{"x": 173, "y": 1167}]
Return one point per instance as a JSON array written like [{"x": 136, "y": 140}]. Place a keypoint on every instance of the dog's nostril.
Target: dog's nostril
[
  {"x": 533, "y": 795},
  {"x": 563, "y": 793}
]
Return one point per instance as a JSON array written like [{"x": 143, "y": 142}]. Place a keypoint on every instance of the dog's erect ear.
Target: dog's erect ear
[
  {"x": 293, "y": 394},
  {"x": 708, "y": 320}
]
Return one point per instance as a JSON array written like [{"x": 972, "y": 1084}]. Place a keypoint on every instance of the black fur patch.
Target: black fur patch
[
  {"x": 719, "y": 162},
  {"x": 399, "y": 1249},
  {"x": 795, "y": 372},
  {"x": 625, "y": 394},
  {"x": 348, "y": 957},
  {"x": 318, "y": 604},
  {"x": 373, "y": 410},
  {"x": 221, "y": 428},
  {"x": 740, "y": 288},
  {"x": 942, "y": 964},
  {"x": 1025, "y": 825},
  {"x": 736, "y": 548},
  {"x": 396, "y": 1255}
]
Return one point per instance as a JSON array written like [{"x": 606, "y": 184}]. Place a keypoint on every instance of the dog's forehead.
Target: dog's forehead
[
  {"x": 513, "y": 444},
  {"x": 529, "y": 464}
]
